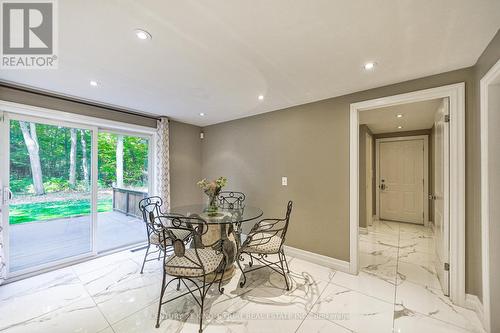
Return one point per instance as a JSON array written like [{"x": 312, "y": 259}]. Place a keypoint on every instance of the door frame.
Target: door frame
[
  {"x": 16, "y": 111},
  {"x": 425, "y": 193},
  {"x": 456, "y": 95},
  {"x": 487, "y": 79},
  {"x": 369, "y": 178}
]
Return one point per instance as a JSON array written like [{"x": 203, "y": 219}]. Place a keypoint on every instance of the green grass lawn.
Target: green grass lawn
[{"x": 42, "y": 211}]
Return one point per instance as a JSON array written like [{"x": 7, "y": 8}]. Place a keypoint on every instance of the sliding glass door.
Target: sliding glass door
[
  {"x": 123, "y": 173},
  {"x": 50, "y": 216},
  {"x": 69, "y": 191}
]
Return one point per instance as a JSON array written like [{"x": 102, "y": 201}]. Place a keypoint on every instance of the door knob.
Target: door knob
[{"x": 382, "y": 186}]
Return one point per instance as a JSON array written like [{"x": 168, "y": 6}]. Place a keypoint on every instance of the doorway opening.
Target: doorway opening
[
  {"x": 409, "y": 245},
  {"x": 408, "y": 207},
  {"x": 409, "y": 236}
]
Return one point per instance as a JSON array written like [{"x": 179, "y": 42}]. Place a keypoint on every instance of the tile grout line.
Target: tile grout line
[
  {"x": 312, "y": 306},
  {"x": 96, "y": 305},
  {"x": 93, "y": 300},
  {"x": 61, "y": 307},
  {"x": 363, "y": 293},
  {"x": 417, "y": 283}
]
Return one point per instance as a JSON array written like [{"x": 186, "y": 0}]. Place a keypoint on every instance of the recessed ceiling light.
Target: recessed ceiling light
[
  {"x": 142, "y": 34},
  {"x": 400, "y": 127},
  {"x": 399, "y": 116},
  {"x": 202, "y": 114},
  {"x": 369, "y": 65},
  {"x": 94, "y": 83},
  {"x": 261, "y": 97}
]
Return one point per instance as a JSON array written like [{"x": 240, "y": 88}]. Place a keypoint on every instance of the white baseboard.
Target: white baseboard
[
  {"x": 363, "y": 231},
  {"x": 319, "y": 259},
  {"x": 473, "y": 303}
]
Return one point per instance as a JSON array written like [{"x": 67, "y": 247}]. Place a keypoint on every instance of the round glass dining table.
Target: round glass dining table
[
  {"x": 222, "y": 216},
  {"x": 222, "y": 225}
]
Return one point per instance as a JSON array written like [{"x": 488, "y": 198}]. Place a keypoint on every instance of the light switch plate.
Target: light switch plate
[{"x": 284, "y": 181}]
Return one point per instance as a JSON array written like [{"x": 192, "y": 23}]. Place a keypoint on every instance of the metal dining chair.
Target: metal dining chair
[
  {"x": 231, "y": 199},
  {"x": 147, "y": 206},
  {"x": 266, "y": 238},
  {"x": 151, "y": 206},
  {"x": 235, "y": 201},
  {"x": 194, "y": 263}
]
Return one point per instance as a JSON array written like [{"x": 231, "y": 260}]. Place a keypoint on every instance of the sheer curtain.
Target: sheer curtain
[{"x": 162, "y": 168}]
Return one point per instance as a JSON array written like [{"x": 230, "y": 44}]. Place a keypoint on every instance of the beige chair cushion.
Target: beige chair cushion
[
  {"x": 263, "y": 243},
  {"x": 181, "y": 266},
  {"x": 180, "y": 234}
]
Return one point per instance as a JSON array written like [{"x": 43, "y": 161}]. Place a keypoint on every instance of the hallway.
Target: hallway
[{"x": 401, "y": 258}]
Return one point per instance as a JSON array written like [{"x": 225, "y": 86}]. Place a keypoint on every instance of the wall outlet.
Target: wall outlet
[{"x": 284, "y": 181}]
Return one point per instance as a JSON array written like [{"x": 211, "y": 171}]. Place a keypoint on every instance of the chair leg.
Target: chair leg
[
  {"x": 203, "y": 294},
  {"x": 242, "y": 283},
  {"x": 221, "y": 290},
  {"x": 145, "y": 256},
  {"x": 161, "y": 299},
  {"x": 286, "y": 261},
  {"x": 283, "y": 270}
]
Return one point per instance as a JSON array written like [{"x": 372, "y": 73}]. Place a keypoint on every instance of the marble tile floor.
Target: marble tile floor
[{"x": 394, "y": 292}]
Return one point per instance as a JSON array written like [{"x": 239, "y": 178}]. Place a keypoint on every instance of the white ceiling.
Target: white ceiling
[
  {"x": 416, "y": 116},
  {"x": 217, "y": 56}
]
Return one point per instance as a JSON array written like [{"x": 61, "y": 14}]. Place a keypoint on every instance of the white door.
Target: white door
[
  {"x": 401, "y": 167},
  {"x": 441, "y": 195},
  {"x": 369, "y": 180}
]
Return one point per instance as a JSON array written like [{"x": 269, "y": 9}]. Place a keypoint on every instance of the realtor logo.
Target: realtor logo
[{"x": 28, "y": 34}]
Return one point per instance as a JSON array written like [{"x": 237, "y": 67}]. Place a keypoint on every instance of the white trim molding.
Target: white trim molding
[
  {"x": 488, "y": 78},
  {"x": 473, "y": 303},
  {"x": 456, "y": 95},
  {"x": 363, "y": 231},
  {"x": 319, "y": 259}
]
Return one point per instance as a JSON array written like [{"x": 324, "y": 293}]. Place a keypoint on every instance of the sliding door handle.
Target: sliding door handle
[{"x": 6, "y": 195}]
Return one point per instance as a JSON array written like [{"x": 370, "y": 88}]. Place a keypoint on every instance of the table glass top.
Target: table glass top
[{"x": 222, "y": 216}]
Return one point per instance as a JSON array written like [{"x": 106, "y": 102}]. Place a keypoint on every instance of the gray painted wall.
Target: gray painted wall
[
  {"x": 185, "y": 164},
  {"x": 309, "y": 144}
]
